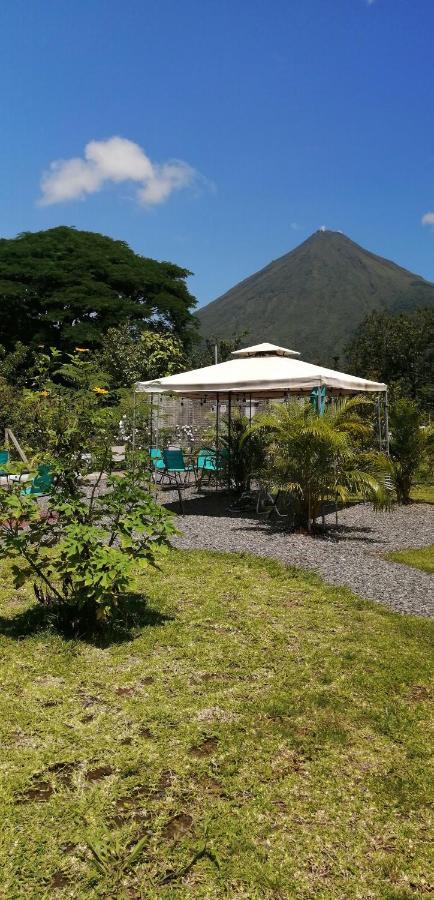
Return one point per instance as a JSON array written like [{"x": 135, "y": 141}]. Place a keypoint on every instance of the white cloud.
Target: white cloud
[
  {"x": 114, "y": 160},
  {"x": 428, "y": 218}
]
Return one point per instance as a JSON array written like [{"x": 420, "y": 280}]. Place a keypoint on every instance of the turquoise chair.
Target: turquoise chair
[
  {"x": 157, "y": 462},
  {"x": 175, "y": 468},
  {"x": 41, "y": 483},
  {"x": 4, "y": 459},
  {"x": 210, "y": 463}
]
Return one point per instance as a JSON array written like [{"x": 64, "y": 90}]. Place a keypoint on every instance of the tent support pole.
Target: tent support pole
[
  {"x": 386, "y": 420},
  {"x": 229, "y": 438},
  {"x": 380, "y": 442},
  {"x": 151, "y": 429},
  {"x": 217, "y": 422},
  {"x": 134, "y": 428}
]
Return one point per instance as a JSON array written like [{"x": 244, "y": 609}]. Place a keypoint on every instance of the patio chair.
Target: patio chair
[
  {"x": 157, "y": 462},
  {"x": 41, "y": 483},
  {"x": 206, "y": 463},
  {"x": 175, "y": 468},
  {"x": 211, "y": 464},
  {"x": 4, "y": 459}
]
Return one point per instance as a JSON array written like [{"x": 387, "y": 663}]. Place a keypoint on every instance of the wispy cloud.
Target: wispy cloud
[
  {"x": 370, "y": 2},
  {"x": 114, "y": 161},
  {"x": 428, "y": 219}
]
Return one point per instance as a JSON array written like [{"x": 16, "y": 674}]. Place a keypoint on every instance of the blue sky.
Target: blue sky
[{"x": 286, "y": 115}]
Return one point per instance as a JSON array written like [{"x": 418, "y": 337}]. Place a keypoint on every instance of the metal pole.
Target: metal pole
[
  {"x": 134, "y": 418},
  {"x": 250, "y": 409},
  {"x": 216, "y": 353},
  {"x": 386, "y": 421},
  {"x": 151, "y": 435},
  {"x": 134, "y": 428},
  {"x": 379, "y": 421},
  {"x": 217, "y": 422},
  {"x": 229, "y": 438}
]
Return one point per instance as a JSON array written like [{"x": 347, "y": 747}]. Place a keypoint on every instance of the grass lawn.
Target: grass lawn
[
  {"x": 423, "y": 493},
  {"x": 280, "y": 724},
  {"x": 422, "y": 558}
]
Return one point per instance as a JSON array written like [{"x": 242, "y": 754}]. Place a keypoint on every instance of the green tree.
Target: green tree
[
  {"x": 411, "y": 444},
  {"x": 63, "y": 287},
  {"x": 246, "y": 450},
  {"x": 130, "y": 355},
  {"x": 398, "y": 350},
  {"x": 82, "y": 559},
  {"x": 321, "y": 458},
  {"x": 204, "y": 353}
]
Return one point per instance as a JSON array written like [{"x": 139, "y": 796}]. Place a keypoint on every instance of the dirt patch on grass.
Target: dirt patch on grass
[
  {"x": 99, "y": 773},
  {"x": 178, "y": 826},
  {"x": 39, "y": 792},
  {"x": 419, "y": 693},
  {"x": 63, "y": 772},
  {"x": 210, "y": 785},
  {"x": 126, "y": 691},
  {"x": 206, "y": 748},
  {"x": 145, "y": 732},
  {"x": 59, "y": 880}
]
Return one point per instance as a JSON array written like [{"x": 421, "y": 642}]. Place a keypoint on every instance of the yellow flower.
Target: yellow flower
[
  {"x": 43, "y": 393},
  {"x": 81, "y": 349},
  {"x": 98, "y": 390}
]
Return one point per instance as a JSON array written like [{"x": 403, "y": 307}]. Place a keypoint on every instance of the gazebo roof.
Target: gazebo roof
[
  {"x": 264, "y": 370},
  {"x": 265, "y": 350}
]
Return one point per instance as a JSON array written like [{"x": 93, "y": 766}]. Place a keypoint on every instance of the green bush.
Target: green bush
[
  {"x": 318, "y": 459},
  {"x": 411, "y": 446},
  {"x": 83, "y": 555}
]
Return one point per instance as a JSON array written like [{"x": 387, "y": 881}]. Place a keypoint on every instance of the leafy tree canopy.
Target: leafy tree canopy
[
  {"x": 398, "y": 350},
  {"x": 64, "y": 287},
  {"x": 204, "y": 354},
  {"x": 129, "y": 356}
]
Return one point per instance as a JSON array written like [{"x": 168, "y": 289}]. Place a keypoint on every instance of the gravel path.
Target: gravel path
[{"x": 351, "y": 554}]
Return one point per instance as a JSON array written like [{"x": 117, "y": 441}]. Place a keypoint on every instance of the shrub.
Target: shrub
[
  {"x": 246, "y": 451},
  {"x": 411, "y": 445},
  {"x": 82, "y": 556},
  {"x": 322, "y": 458}
]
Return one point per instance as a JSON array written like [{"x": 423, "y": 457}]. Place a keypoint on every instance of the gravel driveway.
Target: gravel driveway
[{"x": 351, "y": 554}]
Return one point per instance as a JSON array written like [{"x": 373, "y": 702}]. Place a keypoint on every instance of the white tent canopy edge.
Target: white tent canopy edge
[{"x": 261, "y": 371}]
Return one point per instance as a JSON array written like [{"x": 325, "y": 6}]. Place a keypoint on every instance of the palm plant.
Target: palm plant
[
  {"x": 411, "y": 445},
  {"x": 246, "y": 451},
  {"x": 322, "y": 458}
]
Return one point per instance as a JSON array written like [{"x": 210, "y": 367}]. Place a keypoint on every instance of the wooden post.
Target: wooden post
[{"x": 10, "y": 435}]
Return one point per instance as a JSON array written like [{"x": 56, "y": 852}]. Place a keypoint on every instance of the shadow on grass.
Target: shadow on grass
[{"x": 133, "y": 614}]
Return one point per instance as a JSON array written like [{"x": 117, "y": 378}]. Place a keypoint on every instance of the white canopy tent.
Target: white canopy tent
[
  {"x": 266, "y": 371},
  {"x": 261, "y": 371}
]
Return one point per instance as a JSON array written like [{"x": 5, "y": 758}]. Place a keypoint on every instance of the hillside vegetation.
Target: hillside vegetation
[{"x": 313, "y": 298}]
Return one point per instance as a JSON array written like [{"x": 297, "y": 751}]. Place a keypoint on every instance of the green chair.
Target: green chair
[
  {"x": 41, "y": 483},
  {"x": 4, "y": 459},
  {"x": 157, "y": 462},
  {"x": 175, "y": 468},
  {"x": 211, "y": 463}
]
